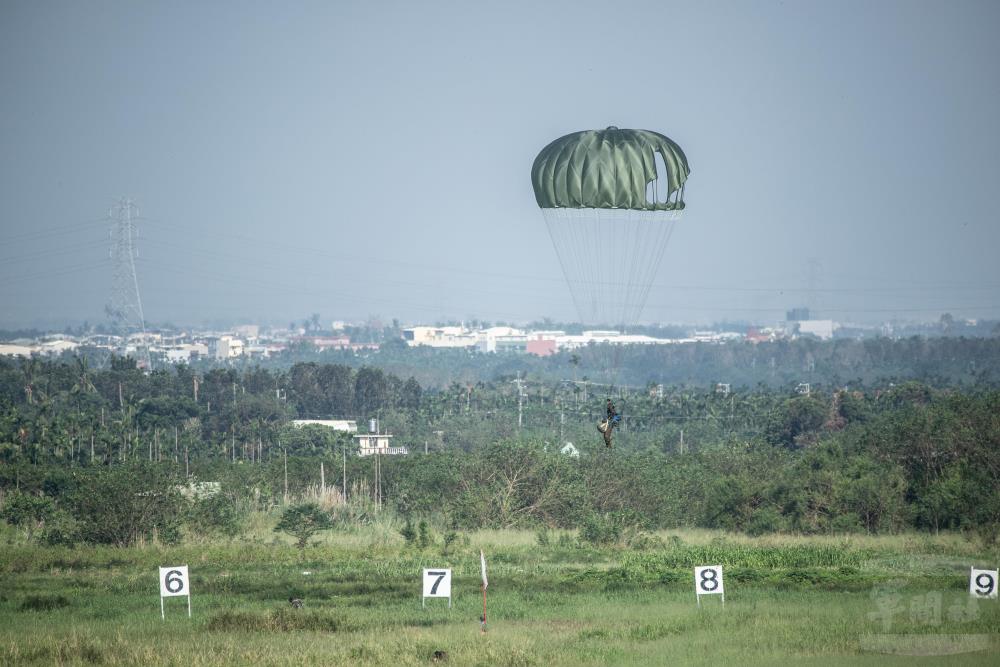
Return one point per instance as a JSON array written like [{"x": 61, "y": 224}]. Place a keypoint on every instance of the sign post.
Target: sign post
[
  {"x": 708, "y": 581},
  {"x": 437, "y": 584},
  {"x": 486, "y": 583},
  {"x": 983, "y": 583},
  {"x": 174, "y": 582}
]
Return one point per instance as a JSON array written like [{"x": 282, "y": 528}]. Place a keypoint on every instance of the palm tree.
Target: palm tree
[
  {"x": 574, "y": 359},
  {"x": 29, "y": 370}
]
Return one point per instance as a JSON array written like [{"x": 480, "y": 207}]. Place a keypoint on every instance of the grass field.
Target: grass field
[{"x": 818, "y": 600}]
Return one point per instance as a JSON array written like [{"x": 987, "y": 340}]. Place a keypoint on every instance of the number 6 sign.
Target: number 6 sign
[
  {"x": 983, "y": 583},
  {"x": 708, "y": 581},
  {"x": 174, "y": 582},
  {"x": 437, "y": 584}
]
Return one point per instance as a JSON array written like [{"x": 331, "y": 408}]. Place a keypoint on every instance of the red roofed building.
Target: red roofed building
[{"x": 541, "y": 347}]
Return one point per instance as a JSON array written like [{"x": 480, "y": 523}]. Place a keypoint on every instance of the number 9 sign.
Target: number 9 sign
[{"x": 983, "y": 583}]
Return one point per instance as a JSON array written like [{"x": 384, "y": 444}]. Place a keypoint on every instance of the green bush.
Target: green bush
[
  {"x": 279, "y": 620},
  {"x": 408, "y": 532},
  {"x": 450, "y": 538},
  {"x": 124, "y": 505},
  {"x": 423, "y": 534},
  {"x": 27, "y": 511},
  {"x": 61, "y": 530},
  {"x": 764, "y": 520},
  {"x": 43, "y": 603},
  {"x": 600, "y": 529},
  {"x": 217, "y": 514},
  {"x": 302, "y": 522}
]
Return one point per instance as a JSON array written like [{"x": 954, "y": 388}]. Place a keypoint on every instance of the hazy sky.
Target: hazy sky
[{"x": 373, "y": 158}]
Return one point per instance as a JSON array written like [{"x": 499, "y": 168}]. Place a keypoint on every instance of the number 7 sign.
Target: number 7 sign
[{"x": 437, "y": 584}]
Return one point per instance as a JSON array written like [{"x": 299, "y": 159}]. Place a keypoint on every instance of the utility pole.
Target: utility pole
[
  {"x": 520, "y": 400},
  {"x": 562, "y": 422}
]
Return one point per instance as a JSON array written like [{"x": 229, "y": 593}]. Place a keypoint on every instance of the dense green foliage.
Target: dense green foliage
[{"x": 106, "y": 456}]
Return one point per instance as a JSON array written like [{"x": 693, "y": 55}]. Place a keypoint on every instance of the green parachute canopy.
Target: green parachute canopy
[
  {"x": 610, "y": 199},
  {"x": 611, "y": 169}
]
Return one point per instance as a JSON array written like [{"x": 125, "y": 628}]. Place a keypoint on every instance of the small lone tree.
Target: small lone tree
[{"x": 302, "y": 522}]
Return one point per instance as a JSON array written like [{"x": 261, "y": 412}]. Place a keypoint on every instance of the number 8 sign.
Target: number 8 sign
[
  {"x": 983, "y": 583},
  {"x": 437, "y": 584},
  {"x": 708, "y": 581}
]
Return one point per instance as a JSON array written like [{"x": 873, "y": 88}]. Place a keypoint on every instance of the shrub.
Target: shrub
[
  {"x": 450, "y": 537},
  {"x": 61, "y": 530},
  {"x": 423, "y": 534},
  {"x": 600, "y": 529},
  {"x": 764, "y": 520},
  {"x": 408, "y": 532},
  {"x": 302, "y": 522},
  {"x": 121, "y": 506},
  {"x": 216, "y": 514},
  {"x": 43, "y": 603},
  {"x": 279, "y": 620},
  {"x": 27, "y": 511}
]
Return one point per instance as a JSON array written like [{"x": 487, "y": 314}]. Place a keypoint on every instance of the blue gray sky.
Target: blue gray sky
[{"x": 372, "y": 158}]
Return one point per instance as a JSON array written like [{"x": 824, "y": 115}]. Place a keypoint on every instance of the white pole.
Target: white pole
[{"x": 162, "y": 615}]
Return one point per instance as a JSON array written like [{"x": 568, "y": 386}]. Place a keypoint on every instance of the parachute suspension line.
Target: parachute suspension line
[
  {"x": 612, "y": 292},
  {"x": 667, "y": 231},
  {"x": 641, "y": 225},
  {"x": 568, "y": 239}
]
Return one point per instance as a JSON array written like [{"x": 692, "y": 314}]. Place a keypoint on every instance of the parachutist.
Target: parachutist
[{"x": 608, "y": 424}]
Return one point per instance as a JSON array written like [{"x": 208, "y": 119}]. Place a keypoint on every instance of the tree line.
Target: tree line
[{"x": 876, "y": 458}]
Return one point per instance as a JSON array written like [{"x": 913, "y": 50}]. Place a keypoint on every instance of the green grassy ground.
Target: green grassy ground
[{"x": 812, "y": 600}]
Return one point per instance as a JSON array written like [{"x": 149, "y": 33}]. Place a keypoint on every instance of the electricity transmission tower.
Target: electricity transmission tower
[{"x": 125, "y": 306}]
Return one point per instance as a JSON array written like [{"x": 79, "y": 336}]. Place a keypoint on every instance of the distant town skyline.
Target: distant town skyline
[{"x": 372, "y": 159}]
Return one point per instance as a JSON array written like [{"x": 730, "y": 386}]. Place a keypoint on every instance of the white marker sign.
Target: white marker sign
[
  {"x": 174, "y": 582},
  {"x": 437, "y": 584},
  {"x": 983, "y": 583},
  {"x": 708, "y": 581}
]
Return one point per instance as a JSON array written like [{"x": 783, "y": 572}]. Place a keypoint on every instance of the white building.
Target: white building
[
  {"x": 16, "y": 350},
  {"x": 345, "y": 425},
  {"x": 822, "y": 329},
  {"x": 184, "y": 352},
  {"x": 377, "y": 443},
  {"x": 226, "y": 347},
  {"x": 439, "y": 336},
  {"x": 57, "y": 347},
  {"x": 501, "y": 339}
]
